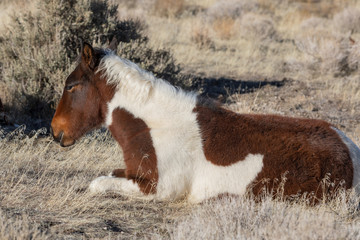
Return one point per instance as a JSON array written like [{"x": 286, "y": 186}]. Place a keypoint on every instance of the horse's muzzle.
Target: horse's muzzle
[{"x": 60, "y": 138}]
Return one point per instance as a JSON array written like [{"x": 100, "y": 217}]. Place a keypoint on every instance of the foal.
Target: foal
[{"x": 177, "y": 145}]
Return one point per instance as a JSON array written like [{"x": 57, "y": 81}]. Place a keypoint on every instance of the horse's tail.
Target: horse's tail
[{"x": 355, "y": 158}]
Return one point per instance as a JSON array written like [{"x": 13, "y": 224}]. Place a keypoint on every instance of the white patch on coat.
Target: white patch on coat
[
  {"x": 168, "y": 112},
  {"x": 355, "y": 158},
  {"x": 211, "y": 180}
]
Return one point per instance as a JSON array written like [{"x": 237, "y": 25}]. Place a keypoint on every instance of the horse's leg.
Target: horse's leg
[
  {"x": 146, "y": 186},
  {"x": 117, "y": 181},
  {"x": 125, "y": 186}
]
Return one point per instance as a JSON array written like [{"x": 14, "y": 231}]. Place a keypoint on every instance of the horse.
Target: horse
[{"x": 178, "y": 145}]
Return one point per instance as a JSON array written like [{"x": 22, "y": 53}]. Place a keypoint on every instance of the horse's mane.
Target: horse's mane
[{"x": 134, "y": 82}]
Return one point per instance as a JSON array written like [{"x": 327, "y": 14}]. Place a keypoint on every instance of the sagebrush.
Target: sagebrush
[{"x": 37, "y": 52}]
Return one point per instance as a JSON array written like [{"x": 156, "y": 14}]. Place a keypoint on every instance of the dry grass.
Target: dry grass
[
  {"x": 315, "y": 44},
  {"x": 45, "y": 186},
  {"x": 235, "y": 218},
  {"x": 20, "y": 227},
  {"x": 44, "y": 195}
]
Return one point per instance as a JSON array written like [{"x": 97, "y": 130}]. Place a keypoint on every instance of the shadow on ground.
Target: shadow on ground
[{"x": 222, "y": 88}]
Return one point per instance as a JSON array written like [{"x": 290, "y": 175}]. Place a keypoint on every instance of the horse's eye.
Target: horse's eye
[{"x": 68, "y": 88}]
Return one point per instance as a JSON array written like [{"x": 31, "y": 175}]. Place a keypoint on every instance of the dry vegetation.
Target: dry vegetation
[
  {"x": 44, "y": 196},
  {"x": 229, "y": 48}
]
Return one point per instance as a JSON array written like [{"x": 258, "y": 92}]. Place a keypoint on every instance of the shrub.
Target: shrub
[
  {"x": 327, "y": 55},
  {"x": 354, "y": 56},
  {"x": 223, "y": 16},
  {"x": 254, "y": 26},
  {"x": 168, "y": 8},
  {"x": 327, "y": 48},
  {"x": 224, "y": 27},
  {"x": 160, "y": 62},
  {"x": 348, "y": 20},
  {"x": 314, "y": 24},
  {"x": 37, "y": 52},
  {"x": 230, "y": 9},
  {"x": 201, "y": 36}
]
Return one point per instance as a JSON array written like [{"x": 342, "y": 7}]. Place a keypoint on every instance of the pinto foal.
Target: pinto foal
[{"x": 177, "y": 145}]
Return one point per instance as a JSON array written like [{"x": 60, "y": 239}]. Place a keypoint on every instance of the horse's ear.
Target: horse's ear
[
  {"x": 113, "y": 45},
  {"x": 88, "y": 55}
]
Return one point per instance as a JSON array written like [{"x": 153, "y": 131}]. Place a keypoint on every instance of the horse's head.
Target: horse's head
[{"x": 82, "y": 106}]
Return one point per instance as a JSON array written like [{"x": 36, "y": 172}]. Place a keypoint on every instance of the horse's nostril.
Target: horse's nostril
[
  {"x": 61, "y": 135},
  {"x": 58, "y": 137}
]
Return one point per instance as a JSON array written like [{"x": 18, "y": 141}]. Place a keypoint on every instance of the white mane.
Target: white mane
[
  {"x": 133, "y": 82},
  {"x": 152, "y": 99}
]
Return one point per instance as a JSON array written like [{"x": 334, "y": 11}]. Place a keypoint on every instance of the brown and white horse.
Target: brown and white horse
[{"x": 177, "y": 145}]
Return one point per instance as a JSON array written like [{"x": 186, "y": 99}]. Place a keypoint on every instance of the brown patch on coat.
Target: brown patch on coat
[
  {"x": 134, "y": 137},
  {"x": 119, "y": 173},
  {"x": 304, "y": 150}
]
